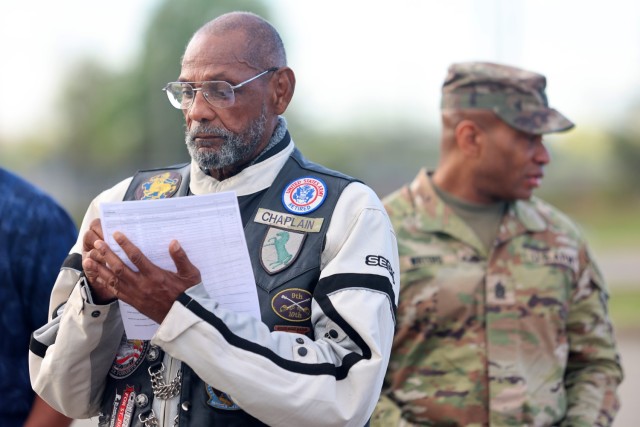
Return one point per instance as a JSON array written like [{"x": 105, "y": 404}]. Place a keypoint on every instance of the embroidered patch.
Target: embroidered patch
[
  {"x": 125, "y": 409},
  {"x": 161, "y": 186},
  {"x": 220, "y": 400},
  {"x": 130, "y": 355},
  {"x": 561, "y": 256},
  {"x": 280, "y": 248},
  {"x": 114, "y": 411},
  {"x": 303, "y": 330},
  {"x": 500, "y": 290},
  {"x": 288, "y": 221},
  {"x": 304, "y": 195},
  {"x": 292, "y": 304}
]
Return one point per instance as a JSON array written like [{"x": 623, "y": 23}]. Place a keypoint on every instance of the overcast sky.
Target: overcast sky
[{"x": 355, "y": 59}]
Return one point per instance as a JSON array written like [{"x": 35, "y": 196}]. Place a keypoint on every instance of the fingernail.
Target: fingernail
[{"x": 118, "y": 236}]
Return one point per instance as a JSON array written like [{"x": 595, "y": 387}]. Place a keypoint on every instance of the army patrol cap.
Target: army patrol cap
[{"x": 516, "y": 96}]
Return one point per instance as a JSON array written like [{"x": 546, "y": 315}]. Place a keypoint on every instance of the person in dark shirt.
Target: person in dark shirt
[{"x": 35, "y": 236}]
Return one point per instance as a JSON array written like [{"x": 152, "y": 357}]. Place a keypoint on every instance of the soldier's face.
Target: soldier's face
[{"x": 511, "y": 163}]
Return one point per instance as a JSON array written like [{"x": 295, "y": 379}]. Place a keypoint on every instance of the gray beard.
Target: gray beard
[{"x": 237, "y": 147}]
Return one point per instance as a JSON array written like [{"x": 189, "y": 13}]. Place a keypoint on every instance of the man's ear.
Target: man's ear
[
  {"x": 284, "y": 85},
  {"x": 469, "y": 138}
]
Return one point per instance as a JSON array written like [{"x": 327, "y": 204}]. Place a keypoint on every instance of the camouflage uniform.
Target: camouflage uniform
[{"x": 517, "y": 335}]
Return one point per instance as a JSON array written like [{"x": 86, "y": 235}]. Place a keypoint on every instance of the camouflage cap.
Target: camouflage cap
[{"x": 517, "y": 96}]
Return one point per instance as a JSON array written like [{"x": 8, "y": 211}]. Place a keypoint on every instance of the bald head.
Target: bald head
[{"x": 263, "y": 47}]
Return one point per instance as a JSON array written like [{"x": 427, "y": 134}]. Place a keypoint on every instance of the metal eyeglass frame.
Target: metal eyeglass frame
[{"x": 173, "y": 98}]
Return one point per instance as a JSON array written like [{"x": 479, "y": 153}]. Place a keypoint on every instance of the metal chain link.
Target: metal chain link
[
  {"x": 162, "y": 390},
  {"x": 150, "y": 421}
]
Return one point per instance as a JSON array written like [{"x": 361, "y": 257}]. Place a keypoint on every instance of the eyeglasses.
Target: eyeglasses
[{"x": 217, "y": 93}]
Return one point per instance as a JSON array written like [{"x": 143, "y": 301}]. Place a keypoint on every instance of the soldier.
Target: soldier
[
  {"x": 323, "y": 254},
  {"x": 502, "y": 318}
]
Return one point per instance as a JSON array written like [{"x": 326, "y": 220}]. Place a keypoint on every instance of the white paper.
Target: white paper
[{"x": 208, "y": 227}]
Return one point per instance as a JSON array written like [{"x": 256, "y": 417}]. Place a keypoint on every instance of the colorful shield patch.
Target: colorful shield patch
[
  {"x": 220, "y": 400},
  {"x": 280, "y": 248},
  {"x": 130, "y": 355},
  {"x": 161, "y": 186},
  {"x": 304, "y": 195},
  {"x": 293, "y": 304}
]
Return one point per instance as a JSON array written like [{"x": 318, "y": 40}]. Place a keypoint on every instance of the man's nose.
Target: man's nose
[
  {"x": 200, "y": 110},
  {"x": 542, "y": 155}
]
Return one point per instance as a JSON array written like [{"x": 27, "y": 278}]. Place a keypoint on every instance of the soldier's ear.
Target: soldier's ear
[{"x": 468, "y": 138}]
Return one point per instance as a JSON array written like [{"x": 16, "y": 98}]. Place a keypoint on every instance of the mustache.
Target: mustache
[{"x": 204, "y": 130}]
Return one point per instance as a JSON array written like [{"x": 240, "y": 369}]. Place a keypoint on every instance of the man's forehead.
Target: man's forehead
[
  {"x": 208, "y": 50},
  {"x": 211, "y": 62},
  {"x": 200, "y": 61}
]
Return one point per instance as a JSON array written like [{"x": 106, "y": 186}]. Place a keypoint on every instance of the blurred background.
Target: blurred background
[{"x": 87, "y": 111}]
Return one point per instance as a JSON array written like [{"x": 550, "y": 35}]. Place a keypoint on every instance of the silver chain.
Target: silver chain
[
  {"x": 150, "y": 421},
  {"x": 162, "y": 390}
]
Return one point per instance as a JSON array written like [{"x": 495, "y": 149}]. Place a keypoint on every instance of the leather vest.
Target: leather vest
[{"x": 285, "y": 237}]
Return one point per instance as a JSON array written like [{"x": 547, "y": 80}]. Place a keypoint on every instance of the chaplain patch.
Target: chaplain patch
[
  {"x": 220, "y": 400},
  {"x": 288, "y": 221},
  {"x": 130, "y": 355},
  {"x": 304, "y": 195},
  {"x": 292, "y": 304},
  {"x": 161, "y": 186},
  {"x": 280, "y": 248}
]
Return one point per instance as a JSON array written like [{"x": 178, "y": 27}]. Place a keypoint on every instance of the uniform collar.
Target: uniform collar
[{"x": 521, "y": 216}]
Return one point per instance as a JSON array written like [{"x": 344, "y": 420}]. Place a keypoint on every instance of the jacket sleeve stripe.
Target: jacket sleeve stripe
[
  {"x": 339, "y": 282},
  {"x": 37, "y": 348},
  {"x": 231, "y": 338},
  {"x": 73, "y": 261},
  {"x": 339, "y": 372}
]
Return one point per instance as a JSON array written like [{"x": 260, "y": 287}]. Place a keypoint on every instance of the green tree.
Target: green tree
[{"x": 626, "y": 150}]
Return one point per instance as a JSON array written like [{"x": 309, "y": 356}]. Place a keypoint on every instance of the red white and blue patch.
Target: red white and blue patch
[
  {"x": 130, "y": 355},
  {"x": 304, "y": 195}
]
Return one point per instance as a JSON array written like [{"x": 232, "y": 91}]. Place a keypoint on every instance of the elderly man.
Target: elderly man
[
  {"x": 502, "y": 318},
  {"x": 206, "y": 366}
]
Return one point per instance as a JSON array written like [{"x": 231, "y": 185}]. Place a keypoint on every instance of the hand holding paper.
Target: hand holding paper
[
  {"x": 211, "y": 247},
  {"x": 149, "y": 288}
]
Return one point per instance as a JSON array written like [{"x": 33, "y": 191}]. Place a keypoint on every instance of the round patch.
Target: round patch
[
  {"x": 293, "y": 304},
  {"x": 161, "y": 186},
  {"x": 304, "y": 195},
  {"x": 130, "y": 355}
]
